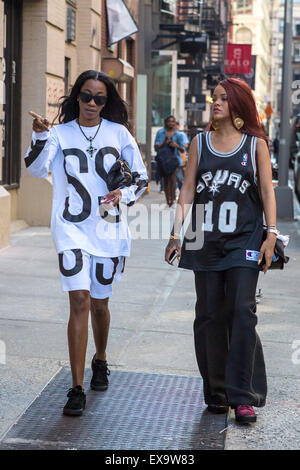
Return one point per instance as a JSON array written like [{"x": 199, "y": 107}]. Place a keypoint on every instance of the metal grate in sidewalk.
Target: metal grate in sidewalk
[{"x": 138, "y": 411}]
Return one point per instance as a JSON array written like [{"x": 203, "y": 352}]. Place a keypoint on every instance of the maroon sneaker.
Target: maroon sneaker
[{"x": 245, "y": 414}]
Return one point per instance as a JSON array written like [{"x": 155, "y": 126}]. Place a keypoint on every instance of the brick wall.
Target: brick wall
[
  {"x": 56, "y": 13},
  {"x": 43, "y": 69}
]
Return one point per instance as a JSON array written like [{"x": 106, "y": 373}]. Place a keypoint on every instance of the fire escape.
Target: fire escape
[
  {"x": 185, "y": 25},
  {"x": 199, "y": 28},
  {"x": 212, "y": 18},
  {"x": 216, "y": 27}
]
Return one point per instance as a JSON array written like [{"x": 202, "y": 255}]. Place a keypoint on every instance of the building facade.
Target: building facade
[
  {"x": 251, "y": 24},
  {"x": 44, "y": 46}
]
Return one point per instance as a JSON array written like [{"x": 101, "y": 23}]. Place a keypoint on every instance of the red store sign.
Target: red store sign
[{"x": 238, "y": 59}]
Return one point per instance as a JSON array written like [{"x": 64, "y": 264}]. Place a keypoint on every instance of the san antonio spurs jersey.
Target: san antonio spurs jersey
[{"x": 232, "y": 225}]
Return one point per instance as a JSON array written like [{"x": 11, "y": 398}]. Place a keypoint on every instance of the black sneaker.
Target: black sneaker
[
  {"x": 99, "y": 380},
  {"x": 218, "y": 409},
  {"x": 76, "y": 403}
]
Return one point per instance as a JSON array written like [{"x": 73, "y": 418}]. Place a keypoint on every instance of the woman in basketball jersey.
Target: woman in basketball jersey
[
  {"x": 229, "y": 177},
  {"x": 92, "y": 243}
]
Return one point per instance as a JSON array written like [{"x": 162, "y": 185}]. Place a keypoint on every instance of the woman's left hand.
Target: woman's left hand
[
  {"x": 116, "y": 195},
  {"x": 267, "y": 251},
  {"x": 171, "y": 246}
]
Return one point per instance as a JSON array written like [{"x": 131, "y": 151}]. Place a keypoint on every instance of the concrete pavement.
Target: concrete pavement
[{"x": 152, "y": 312}]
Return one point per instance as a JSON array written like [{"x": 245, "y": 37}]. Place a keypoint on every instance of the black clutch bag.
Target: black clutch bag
[
  {"x": 119, "y": 175},
  {"x": 279, "y": 258}
]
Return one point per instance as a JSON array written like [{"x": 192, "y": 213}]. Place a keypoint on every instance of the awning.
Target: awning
[{"x": 118, "y": 69}]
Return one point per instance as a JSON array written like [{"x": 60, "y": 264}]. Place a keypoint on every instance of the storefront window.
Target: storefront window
[
  {"x": 297, "y": 28},
  {"x": 297, "y": 52},
  {"x": 168, "y": 6},
  {"x": 243, "y": 6},
  {"x": 161, "y": 104},
  {"x": 141, "y": 116}
]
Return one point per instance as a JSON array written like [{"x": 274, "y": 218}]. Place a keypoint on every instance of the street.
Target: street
[{"x": 152, "y": 312}]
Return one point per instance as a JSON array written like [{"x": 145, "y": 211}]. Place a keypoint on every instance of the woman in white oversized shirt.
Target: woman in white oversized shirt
[{"x": 92, "y": 239}]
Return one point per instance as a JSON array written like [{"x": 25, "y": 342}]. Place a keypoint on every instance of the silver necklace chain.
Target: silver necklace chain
[{"x": 90, "y": 149}]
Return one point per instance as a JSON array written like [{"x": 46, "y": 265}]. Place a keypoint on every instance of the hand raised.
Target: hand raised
[{"x": 39, "y": 124}]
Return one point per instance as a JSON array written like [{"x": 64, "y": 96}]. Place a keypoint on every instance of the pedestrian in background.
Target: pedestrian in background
[
  {"x": 276, "y": 148},
  {"x": 183, "y": 155},
  {"x": 92, "y": 243},
  {"x": 171, "y": 138},
  {"x": 229, "y": 174}
]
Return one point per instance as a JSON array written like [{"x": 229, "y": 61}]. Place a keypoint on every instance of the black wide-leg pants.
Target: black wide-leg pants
[{"x": 228, "y": 350}]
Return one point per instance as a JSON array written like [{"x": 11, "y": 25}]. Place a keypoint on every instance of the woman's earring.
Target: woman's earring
[
  {"x": 216, "y": 125},
  {"x": 238, "y": 123}
]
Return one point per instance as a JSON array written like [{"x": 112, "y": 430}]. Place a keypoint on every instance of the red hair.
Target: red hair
[{"x": 241, "y": 104}]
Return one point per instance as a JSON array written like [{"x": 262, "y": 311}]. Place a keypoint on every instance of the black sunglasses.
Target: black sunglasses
[{"x": 86, "y": 98}]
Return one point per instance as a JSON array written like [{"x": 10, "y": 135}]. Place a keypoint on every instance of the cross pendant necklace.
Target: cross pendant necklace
[{"x": 90, "y": 149}]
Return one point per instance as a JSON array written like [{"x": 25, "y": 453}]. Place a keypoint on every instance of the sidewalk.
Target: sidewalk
[{"x": 152, "y": 312}]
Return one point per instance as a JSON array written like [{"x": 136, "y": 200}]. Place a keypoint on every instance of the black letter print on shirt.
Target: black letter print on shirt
[
  {"x": 78, "y": 265},
  {"x": 83, "y": 193},
  {"x": 35, "y": 151},
  {"x": 99, "y": 272},
  {"x": 99, "y": 161}
]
